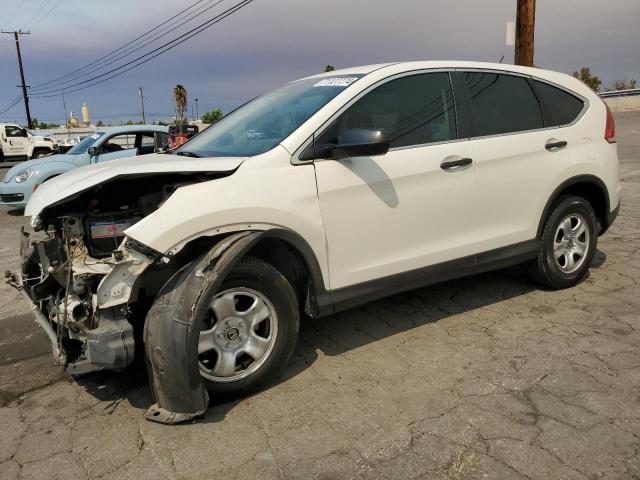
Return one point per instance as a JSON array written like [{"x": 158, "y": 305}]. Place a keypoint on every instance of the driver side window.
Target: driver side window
[
  {"x": 412, "y": 110},
  {"x": 15, "y": 132},
  {"x": 123, "y": 141}
]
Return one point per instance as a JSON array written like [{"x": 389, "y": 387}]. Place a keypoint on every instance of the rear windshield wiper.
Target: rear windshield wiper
[{"x": 189, "y": 154}]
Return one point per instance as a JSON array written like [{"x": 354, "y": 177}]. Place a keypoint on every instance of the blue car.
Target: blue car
[{"x": 107, "y": 144}]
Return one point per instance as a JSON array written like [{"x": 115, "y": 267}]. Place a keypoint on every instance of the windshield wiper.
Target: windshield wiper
[{"x": 189, "y": 154}]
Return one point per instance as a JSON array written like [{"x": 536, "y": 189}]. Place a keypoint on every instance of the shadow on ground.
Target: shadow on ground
[{"x": 342, "y": 332}]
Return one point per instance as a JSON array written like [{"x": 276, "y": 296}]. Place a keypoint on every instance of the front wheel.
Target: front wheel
[
  {"x": 40, "y": 154},
  {"x": 567, "y": 245},
  {"x": 251, "y": 329}
]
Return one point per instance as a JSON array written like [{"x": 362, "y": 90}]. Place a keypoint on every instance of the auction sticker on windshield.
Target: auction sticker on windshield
[{"x": 336, "y": 82}]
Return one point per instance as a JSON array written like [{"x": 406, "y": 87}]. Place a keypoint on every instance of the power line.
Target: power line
[
  {"x": 16, "y": 35},
  {"x": 38, "y": 13},
  {"x": 14, "y": 13},
  {"x": 151, "y": 55},
  {"x": 13, "y": 104},
  {"x": 46, "y": 15},
  {"x": 165, "y": 30},
  {"x": 3, "y": 55},
  {"x": 119, "y": 48}
]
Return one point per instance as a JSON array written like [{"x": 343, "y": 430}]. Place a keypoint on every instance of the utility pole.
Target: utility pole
[
  {"x": 525, "y": 26},
  {"x": 15, "y": 34},
  {"x": 66, "y": 118},
  {"x": 144, "y": 119},
  {"x": 197, "y": 116}
]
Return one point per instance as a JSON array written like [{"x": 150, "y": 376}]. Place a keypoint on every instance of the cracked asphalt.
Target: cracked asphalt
[{"x": 485, "y": 377}]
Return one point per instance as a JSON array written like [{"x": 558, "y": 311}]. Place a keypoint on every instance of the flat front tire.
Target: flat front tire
[{"x": 567, "y": 245}]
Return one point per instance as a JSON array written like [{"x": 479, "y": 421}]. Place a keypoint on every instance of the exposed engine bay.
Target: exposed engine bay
[{"x": 78, "y": 271}]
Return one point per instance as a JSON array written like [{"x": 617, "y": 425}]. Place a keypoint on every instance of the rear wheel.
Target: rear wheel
[{"x": 567, "y": 245}]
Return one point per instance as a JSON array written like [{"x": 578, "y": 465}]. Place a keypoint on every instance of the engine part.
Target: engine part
[{"x": 112, "y": 344}]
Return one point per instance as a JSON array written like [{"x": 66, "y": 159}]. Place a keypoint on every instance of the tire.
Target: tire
[
  {"x": 40, "y": 154},
  {"x": 251, "y": 280},
  {"x": 565, "y": 254}
]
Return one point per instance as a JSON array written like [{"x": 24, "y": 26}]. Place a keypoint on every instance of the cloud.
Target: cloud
[{"x": 273, "y": 41}]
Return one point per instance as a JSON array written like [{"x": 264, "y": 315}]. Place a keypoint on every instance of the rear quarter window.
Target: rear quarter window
[
  {"x": 563, "y": 107},
  {"x": 502, "y": 103}
]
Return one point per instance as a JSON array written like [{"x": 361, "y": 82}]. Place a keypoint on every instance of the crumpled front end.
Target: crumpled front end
[
  {"x": 79, "y": 292},
  {"x": 78, "y": 271}
]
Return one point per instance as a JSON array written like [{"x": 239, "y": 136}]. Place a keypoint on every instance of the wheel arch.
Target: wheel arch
[
  {"x": 589, "y": 187},
  {"x": 39, "y": 149},
  {"x": 284, "y": 249},
  {"x": 171, "y": 340},
  {"x": 290, "y": 254}
]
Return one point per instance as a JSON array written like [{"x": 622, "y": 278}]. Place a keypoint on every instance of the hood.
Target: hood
[
  {"x": 42, "y": 139},
  {"x": 83, "y": 178},
  {"x": 36, "y": 163}
]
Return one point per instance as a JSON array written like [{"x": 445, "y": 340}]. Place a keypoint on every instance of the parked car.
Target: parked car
[
  {"x": 368, "y": 181},
  {"x": 68, "y": 143},
  {"x": 17, "y": 143},
  {"x": 107, "y": 144}
]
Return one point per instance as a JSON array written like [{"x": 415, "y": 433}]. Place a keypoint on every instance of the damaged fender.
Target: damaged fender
[{"x": 173, "y": 327}]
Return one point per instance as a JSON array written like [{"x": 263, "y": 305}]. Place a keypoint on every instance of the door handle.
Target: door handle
[
  {"x": 454, "y": 164},
  {"x": 554, "y": 146}
]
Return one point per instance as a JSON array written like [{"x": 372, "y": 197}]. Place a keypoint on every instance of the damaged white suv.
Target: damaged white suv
[{"x": 362, "y": 183}]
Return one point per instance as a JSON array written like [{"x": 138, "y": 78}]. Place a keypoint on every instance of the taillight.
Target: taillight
[{"x": 610, "y": 128}]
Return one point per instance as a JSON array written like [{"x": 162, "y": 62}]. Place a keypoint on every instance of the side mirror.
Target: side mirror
[
  {"x": 93, "y": 151},
  {"x": 361, "y": 142}
]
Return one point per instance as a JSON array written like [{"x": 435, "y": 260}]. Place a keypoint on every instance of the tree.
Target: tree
[
  {"x": 180, "y": 97},
  {"x": 99, "y": 124},
  {"x": 42, "y": 126},
  {"x": 624, "y": 84},
  {"x": 213, "y": 116},
  {"x": 590, "y": 80},
  {"x": 329, "y": 68},
  {"x": 134, "y": 122}
]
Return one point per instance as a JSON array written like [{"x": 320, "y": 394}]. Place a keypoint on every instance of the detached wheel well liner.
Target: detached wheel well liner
[
  {"x": 589, "y": 187},
  {"x": 171, "y": 334}
]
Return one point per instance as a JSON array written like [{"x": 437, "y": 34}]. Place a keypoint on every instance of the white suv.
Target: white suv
[{"x": 366, "y": 182}]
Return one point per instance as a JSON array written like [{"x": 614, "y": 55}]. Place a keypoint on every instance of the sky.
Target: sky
[{"x": 270, "y": 42}]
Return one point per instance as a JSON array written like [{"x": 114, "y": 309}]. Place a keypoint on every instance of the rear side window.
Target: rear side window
[
  {"x": 563, "y": 107},
  {"x": 412, "y": 110},
  {"x": 502, "y": 103}
]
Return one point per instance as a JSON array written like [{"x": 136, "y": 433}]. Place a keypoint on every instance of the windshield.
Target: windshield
[
  {"x": 84, "y": 145},
  {"x": 264, "y": 122}
]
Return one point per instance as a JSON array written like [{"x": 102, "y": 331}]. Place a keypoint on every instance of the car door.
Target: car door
[
  {"x": 410, "y": 208},
  {"x": 517, "y": 158},
  {"x": 120, "y": 145},
  {"x": 16, "y": 140}
]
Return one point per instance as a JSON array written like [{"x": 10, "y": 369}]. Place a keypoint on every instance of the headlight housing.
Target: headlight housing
[{"x": 23, "y": 175}]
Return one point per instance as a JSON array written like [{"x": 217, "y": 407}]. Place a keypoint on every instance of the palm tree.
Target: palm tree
[{"x": 180, "y": 96}]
